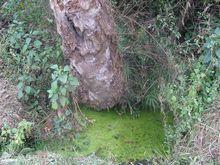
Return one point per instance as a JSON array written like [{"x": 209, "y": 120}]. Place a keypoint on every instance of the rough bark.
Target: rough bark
[{"x": 89, "y": 41}]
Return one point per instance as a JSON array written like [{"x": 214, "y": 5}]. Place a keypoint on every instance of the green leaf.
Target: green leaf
[
  {"x": 218, "y": 52},
  {"x": 20, "y": 85},
  {"x": 50, "y": 92},
  {"x": 63, "y": 91},
  {"x": 12, "y": 40},
  {"x": 36, "y": 32},
  {"x": 20, "y": 94},
  {"x": 208, "y": 56},
  {"x": 50, "y": 20},
  {"x": 55, "y": 105},
  {"x": 217, "y": 31},
  {"x": 30, "y": 58},
  {"x": 68, "y": 112},
  {"x": 173, "y": 98},
  {"x": 203, "y": 75},
  {"x": 218, "y": 63},
  {"x": 66, "y": 68},
  {"x": 14, "y": 130},
  {"x": 54, "y": 76},
  {"x": 73, "y": 81},
  {"x": 54, "y": 86},
  {"x": 55, "y": 67},
  {"x": 208, "y": 43},
  {"x": 27, "y": 43},
  {"x": 63, "y": 101},
  {"x": 37, "y": 44},
  {"x": 63, "y": 78},
  {"x": 54, "y": 98},
  {"x": 28, "y": 89}
]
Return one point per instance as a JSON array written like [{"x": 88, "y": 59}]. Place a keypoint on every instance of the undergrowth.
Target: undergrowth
[
  {"x": 191, "y": 95},
  {"x": 171, "y": 59},
  {"x": 154, "y": 39},
  {"x": 12, "y": 140},
  {"x": 170, "y": 49},
  {"x": 30, "y": 50}
]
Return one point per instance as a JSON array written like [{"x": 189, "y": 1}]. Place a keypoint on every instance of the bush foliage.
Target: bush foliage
[{"x": 170, "y": 49}]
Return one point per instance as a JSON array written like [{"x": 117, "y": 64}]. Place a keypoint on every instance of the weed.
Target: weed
[
  {"x": 212, "y": 49},
  {"x": 28, "y": 52},
  {"x": 13, "y": 139},
  {"x": 28, "y": 59},
  {"x": 191, "y": 94},
  {"x": 63, "y": 83}
]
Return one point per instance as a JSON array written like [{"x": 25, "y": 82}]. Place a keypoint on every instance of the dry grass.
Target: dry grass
[
  {"x": 206, "y": 142},
  {"x": 203, "y": 145}
]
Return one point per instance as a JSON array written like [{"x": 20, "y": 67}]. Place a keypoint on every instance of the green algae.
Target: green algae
[{"x": 113, "y": 136}]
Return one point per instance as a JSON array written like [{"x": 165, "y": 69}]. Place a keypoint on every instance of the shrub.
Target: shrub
[
  {"x": 193, "y": 91},
  {"x": 27, "y": 56},
  {"x": 34, "y": 13},
  {"x": 62, "y": 87},
  {"x": 14, "y": 139},
  {"x": 29, "y": 50}
]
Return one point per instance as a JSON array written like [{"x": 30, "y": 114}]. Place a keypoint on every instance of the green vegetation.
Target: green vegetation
[
  {"x": 171, "y": 55},
  {"x": 28, "y": 51},
  {"x": 114, "y": 136},
  {"x": 63, "y": 83},
  {"x": 13, "y": 139},
  {"x": 191, "y": 94}
]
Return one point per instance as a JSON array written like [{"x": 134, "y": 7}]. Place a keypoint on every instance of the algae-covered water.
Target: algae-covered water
[{"x": 113, "y": 136}]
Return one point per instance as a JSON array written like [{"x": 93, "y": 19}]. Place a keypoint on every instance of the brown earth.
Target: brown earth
[{"x": 10, "y": 107}]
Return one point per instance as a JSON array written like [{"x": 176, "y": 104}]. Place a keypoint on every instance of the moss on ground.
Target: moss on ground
[{"x": 113, "y": 136}]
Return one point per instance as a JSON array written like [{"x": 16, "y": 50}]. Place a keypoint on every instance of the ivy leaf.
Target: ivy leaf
[
  {"x": 68, "y": 112},
  {"x": 50, "y": 92},
  {"x": 36, "y": 32},
  {"x": 20, "y": 85},
  {"x": 173, "y": 98},
  {"x": 54, "y": 86},
  {"x": 208, "y": 56},
  {"x": 63, "y": 78},
  {"x": 54, "y": 76},
  {"x": 218, "y": 63},
  {"x": 55, "y": 67},
  {"x": 12, "y": 40},
  {"x": 20, "y": 94},
  {"x": 217, "y": 31},
  {"x": 73, "y": 81},
  {"x": 14, "y": 130},
  {"x": 54, "y": 98},
  {"x": 37, "y": 44},
  {"x": 66, "y": 68},
  {"x": 54, "y": 105},
  {"x": 63, "y": 91},
  {"x": 27, "y": 43},
  {"x": 218, "y": 53},
  {"x": 208, "y": 43},
  {"x": 63, "y": 101},
  {"x": 28, "y": 89}
]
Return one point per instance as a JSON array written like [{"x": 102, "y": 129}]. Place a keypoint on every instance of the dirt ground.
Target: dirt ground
[{"x": 10, "y": 107}]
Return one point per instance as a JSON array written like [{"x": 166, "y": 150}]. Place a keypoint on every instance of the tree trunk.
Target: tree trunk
[{"x": 89, "y": 41}]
